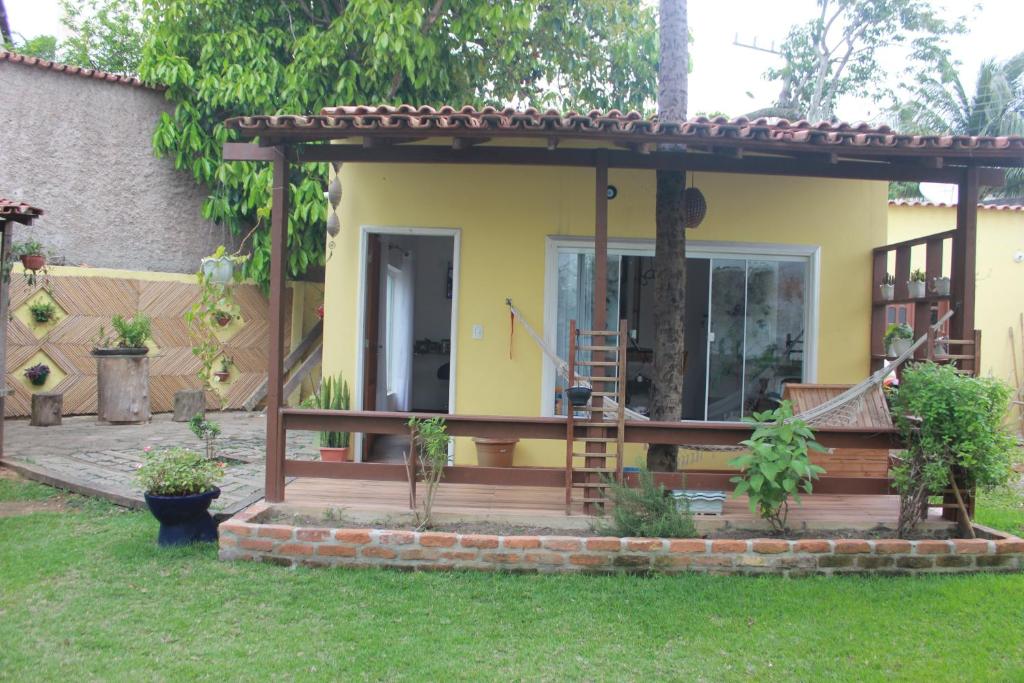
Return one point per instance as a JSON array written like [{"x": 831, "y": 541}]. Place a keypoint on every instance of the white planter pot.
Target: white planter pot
[
  {"x": 916, "y": 289},
  {"x": 887, "y": 292},
  {"x": 218, "y": 270},
  {"x": 900, "y": 346},
  {"x": 941, "y": 286}
]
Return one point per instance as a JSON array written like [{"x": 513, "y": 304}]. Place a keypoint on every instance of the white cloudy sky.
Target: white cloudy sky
[{"x": 723, "y": 73}]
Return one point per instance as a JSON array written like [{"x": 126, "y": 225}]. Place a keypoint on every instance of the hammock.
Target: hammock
[{"x": 841, "y": 410}]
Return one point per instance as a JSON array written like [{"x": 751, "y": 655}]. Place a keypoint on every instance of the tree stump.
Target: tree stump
[
  {"x": 47, "y": 408},
  {"x": 122, "y": 388},
  {"x": 188, "y": 403}
]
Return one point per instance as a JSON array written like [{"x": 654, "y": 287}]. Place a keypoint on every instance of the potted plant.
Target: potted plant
[
  {"x": 218, "y": 268},
  {"x": 224, "y": 373},
  {"x": 42, "y": 311},
  {"x": 222, "y": 317},
  {"x": 38, "y": 374},
  {"x": 898, "y": 339},
  {"x": 916, "y": 284},
  {"x": 940, "y": 285},
  {"x": 32, "y": 255},
  {"x": 888, "y": 287},
  {"x": 178, "y": 486},
  {"x": 130, "y": 337},
  {"x": 333, "y": 395}
]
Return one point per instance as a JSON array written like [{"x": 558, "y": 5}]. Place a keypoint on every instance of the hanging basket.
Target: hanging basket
[
  {"x": 33, "y": 262},
  {"x": 218, "y": 270},
  {"x": 696, "y": 207}
]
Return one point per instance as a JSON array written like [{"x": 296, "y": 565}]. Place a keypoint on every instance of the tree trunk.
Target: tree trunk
[{"x": 670, "y": 244}]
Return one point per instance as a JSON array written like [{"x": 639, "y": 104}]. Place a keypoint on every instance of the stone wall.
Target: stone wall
[
  {"x": 244, "y": 537},
  {"x": 81, "y": 150}
]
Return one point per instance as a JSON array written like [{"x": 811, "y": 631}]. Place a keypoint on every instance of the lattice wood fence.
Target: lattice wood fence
[{"x": 89, "y": 302}]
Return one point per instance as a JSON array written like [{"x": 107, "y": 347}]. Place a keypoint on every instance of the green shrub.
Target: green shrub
[
  {"x": 42, "y": 311},
  {"x": 948, "y": 420},
  {"x": 646, "y": 511},
  {"x": 333, "y": 395},
  {"x": 133, "y": 332},
  {"x": 430, "y": 439},
  {"x": 778, "y": 464},
  {"x": 178, "y": 472}
]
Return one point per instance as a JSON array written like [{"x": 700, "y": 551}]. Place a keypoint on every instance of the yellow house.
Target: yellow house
[
  {"x": 438, "y": 218},
  {"x": 1000, "y": 273}
]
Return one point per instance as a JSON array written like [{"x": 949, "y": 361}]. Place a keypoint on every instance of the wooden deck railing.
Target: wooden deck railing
[{"x": 685, "y": 433}]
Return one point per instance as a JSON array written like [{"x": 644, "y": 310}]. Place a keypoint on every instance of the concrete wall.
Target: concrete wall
[
  {"x": 504, "y": 215},
  {"x": 81, "y": 150}
]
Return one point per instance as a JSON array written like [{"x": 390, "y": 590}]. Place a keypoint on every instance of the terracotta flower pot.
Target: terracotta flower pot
[
  {"x": 224, "y": 319},
  {"x": 495, "y": 452},
  {"x": 335, "y": 454},
  {"x": 33, "y": 262},
  {"x": 222, "y": 376}
]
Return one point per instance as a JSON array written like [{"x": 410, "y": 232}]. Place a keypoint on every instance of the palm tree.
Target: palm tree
[
  {"x": 942, "y": 106},
  {"x": 670, "y": 240}
]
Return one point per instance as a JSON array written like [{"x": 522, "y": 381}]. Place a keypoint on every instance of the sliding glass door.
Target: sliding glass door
[{"x": 747, "y": 319}]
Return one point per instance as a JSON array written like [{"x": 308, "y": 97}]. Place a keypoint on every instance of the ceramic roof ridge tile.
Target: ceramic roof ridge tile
[
  {"x": 71, "y": 69},
  {"x": 9, "y": 207},
  {"x": 952, "y": 205}
]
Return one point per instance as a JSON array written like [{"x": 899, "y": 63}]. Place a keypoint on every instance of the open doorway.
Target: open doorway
[{"x": 408, "y": 313}]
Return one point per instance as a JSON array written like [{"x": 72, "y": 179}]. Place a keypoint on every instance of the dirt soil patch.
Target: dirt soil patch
[{"x": 27, "y": 507}]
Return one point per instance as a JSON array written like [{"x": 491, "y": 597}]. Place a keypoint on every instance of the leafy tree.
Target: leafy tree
[
  {"x": 44, "y": 47},
  {"x": 836, "y": 53},
  {"x": 220, "y": 58},
  {"x": 670, "y": 237},
  {"x": 942, "y": 105},
  {"x": 104, "y": 34}
]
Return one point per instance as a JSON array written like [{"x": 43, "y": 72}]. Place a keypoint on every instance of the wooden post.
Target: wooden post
[
  {"x": 963, "y": 273},
  {"x": 5, "y": 286},
  {"x": 274, "y": 484}
]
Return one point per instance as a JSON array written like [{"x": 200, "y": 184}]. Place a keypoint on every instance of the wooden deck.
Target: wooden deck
[{"x": 544, "y": 506}]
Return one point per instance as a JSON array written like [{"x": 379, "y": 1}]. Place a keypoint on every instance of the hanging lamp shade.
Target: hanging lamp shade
[
  {"x": 333, "y": 224},
  {"x": 696, "y": 207}
]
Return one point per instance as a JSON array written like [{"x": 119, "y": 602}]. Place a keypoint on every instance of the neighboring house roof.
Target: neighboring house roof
[
  {"x": 19, "y": 212},
  {"x": 843, "y": 139},
  {"x": 94, "y": 74},
  {"x": 952, "y": 205}
]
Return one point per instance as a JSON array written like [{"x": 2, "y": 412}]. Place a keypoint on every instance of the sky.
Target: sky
[{"x": 725, "y": 75}]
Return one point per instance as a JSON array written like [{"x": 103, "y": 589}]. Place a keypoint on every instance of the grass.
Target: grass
[{"x": 86, "y": 594}]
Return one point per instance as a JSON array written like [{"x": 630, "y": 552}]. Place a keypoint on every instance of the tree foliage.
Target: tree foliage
[
  {"x": 220, "y": 58},
  {"x": 837, "y": 52},
  {"x": 940, "y": 104}
]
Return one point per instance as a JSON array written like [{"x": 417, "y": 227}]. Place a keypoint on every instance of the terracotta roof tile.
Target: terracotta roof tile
[
  {"x": 18, "y": 209},
  {"x": 614, "y": 125},
  {"x": 94, "y": 74},
  {"x": 952, "y": 205}
]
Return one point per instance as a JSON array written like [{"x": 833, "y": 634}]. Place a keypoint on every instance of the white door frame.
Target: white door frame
[
  {"x": 364, "y": 232},
  {"x": 695, "y": 249}
]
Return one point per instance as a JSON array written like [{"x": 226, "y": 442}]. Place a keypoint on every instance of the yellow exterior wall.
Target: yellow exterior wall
[
  {"x": 999, "y": 299},
  {"x": 505, "y": 213}
]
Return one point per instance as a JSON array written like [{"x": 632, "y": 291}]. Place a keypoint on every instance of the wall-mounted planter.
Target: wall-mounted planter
[{"x": 122, "y": 387}]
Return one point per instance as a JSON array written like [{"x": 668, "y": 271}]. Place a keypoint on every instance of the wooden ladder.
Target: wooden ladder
[
  {"x": 969, "y": 351},
  {"x": 594, "y": 441}
]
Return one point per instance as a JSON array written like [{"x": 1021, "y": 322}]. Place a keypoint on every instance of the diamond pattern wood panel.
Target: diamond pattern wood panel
[{"x": 91, "y": 301}]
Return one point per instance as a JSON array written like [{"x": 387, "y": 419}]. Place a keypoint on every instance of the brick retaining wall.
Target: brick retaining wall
[{"x": 245, "y": 538}]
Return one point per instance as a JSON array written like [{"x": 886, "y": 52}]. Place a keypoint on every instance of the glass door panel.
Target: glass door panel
[{"x": 726, "y": 339}]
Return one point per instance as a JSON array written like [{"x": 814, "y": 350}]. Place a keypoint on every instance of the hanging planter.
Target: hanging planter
[
  {"x": 578, "y": 396},
  {"x": 218, "y": 269},
  {"x": 33, "y": 262}
]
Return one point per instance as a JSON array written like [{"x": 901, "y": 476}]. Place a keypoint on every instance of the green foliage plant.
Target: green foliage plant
[
  {"x": 778, "y": 464},
  {"x": 430, "y": 441},
  {"x": 332, "y": 395},
  {"x": 178, "y": 472},
  {"x": 918, "y": 275},
  {"x": 897, "y": 331},
  {"x": 133, "y": 332},
  {"x": 223, "y": 58},
  {"x": 37, "y": 374},
  {"x": 42, "y": 311},
  {"x": 949, "y": 421},
  {"x": 646, "y": 511},
  {"x": 28, "y": 248},
  {"x": 207, "y": 430},
  {"x": 201, "y": 319}
]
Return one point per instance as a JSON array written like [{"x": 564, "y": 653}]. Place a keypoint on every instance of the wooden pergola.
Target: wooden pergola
[
  {"x": 11, "y": 213},
  {"x": 599, "y": 141}
]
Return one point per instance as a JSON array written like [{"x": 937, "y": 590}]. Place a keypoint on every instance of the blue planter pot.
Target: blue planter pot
[{"x": 184, "y": 519}]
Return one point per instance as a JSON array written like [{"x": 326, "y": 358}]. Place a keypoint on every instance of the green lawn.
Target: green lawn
[{"x": 86, "y": 594}]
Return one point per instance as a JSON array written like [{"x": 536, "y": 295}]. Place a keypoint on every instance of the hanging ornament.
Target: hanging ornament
[
  {"x": 333, "y": 224},
  {"x": 334, "y": 191},
  {"x": 695, "y": 207}
]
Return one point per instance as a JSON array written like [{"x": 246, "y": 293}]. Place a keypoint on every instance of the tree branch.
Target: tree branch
[{"x": 429, "y": 19}]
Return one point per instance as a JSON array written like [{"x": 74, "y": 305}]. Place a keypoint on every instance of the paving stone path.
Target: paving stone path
[{"x": 85, "y": 456}]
